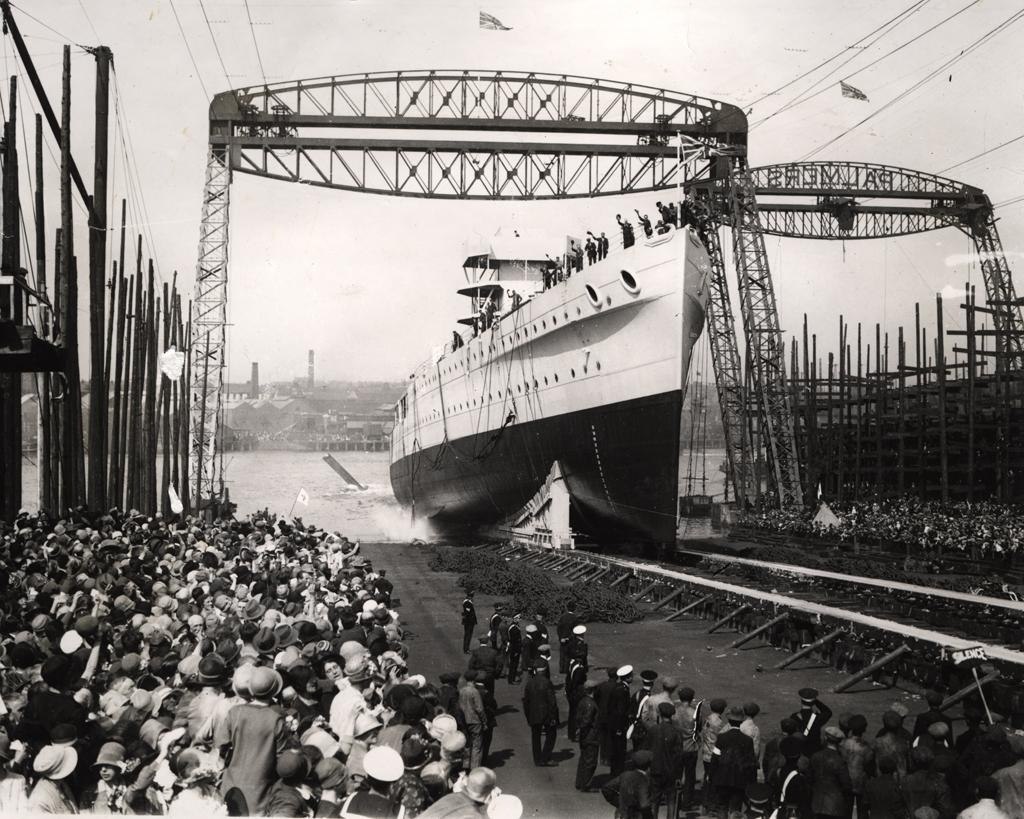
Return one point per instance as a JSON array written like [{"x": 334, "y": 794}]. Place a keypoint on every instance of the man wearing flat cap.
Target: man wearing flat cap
[
  {"x": 833, "y": 790},
  {"x": 664, "y": 740},
  {"x": 733, "y": 763},
  {"x": 541, "y": 711},
  {"x": 630, "y": 792},
  {"x": 812, "y": 716},
  {"x": 932, "y": 715}
]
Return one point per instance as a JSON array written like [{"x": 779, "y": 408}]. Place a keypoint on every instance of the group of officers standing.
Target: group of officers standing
[{"x": 650, "y": 740}]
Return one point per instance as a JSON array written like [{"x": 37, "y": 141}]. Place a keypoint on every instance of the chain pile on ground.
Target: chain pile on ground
[{"x": 532, "y": 589}]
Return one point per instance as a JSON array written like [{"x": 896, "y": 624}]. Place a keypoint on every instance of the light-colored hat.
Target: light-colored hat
[
  {"x": 442, "y": 725},
  {"x": 578, "y": 630},
  {"x": 71, "y": 642},
  {"x": 479, "y": 784},
  {"x": 55, "y": 761},
  {"x": 505, "y": 806},
  {"x": 364, "y": 724},
  {"x": 624, "y": 671},
  {"x": 383, "y": 764}
]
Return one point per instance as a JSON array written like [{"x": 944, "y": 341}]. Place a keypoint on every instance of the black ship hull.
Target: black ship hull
[{"x": 620, "y": 462}]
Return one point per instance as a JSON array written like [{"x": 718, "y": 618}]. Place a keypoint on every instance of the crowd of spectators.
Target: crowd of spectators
[
  {"x": 814, "y": 767},
  {"x": 253, "y": 667},
  {"x": 979, "y": 529}
]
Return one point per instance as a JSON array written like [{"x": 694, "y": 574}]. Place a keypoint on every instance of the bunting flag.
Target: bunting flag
[
  {"x": 492, "y": 23},
  {"x": 302, "y": 497},
  {"x": 852, "y": 93}
]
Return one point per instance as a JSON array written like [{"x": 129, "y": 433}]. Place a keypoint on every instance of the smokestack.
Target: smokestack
[
  {"x": 309, "y": 377},
  {"x": 254, "y": 386}
]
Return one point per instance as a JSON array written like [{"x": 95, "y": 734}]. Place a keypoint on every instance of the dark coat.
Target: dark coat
[
  {"x": 617, "y": 709},
  {"x": 586, "y": 721},
  {"x": 812, "y": 729},
  {"x": 665, "y": 742},
  {"x": 735, "y": 764},
  {"x": 831, "y": 781},
  {"x": 927, "y": 789},
  {"x": 798, "y": 790},
  {"x": 882, "y": 798},
  {"x": 484, "y": 659},
  {"x": 539, "y": 704}
]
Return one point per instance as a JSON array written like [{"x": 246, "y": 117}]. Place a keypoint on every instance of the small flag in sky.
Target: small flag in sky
[
  {"x": 492, "y": 23},
  {"x": 302, "y": 497},
  {"x": 852, "y": 93}
]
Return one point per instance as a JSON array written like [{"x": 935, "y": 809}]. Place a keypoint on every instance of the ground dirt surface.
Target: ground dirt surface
[{"x": 430, "y": 604}]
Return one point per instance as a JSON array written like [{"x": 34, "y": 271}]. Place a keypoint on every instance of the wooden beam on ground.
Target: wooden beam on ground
[
  {"x": 620, "y": 580},
  {"x": 803, "y": 652},
  {"x": 645, "y": 591},
  {"x": 732, "y": 615},
  {"x": 871, "y": 669},
  {"x": 666, "y": 600},
  {"x": 953, "y": 699},
  {"x": 600, "y": 574},
  {"x": 699, "y": 602},
  {"x": 746, "y": 638}
]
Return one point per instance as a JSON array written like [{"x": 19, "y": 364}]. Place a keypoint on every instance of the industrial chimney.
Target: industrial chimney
[
  {"x": 254, "y": 385},
  {"x": 309, "y": 377}
]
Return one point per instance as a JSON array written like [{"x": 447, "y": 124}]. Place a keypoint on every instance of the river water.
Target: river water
[{"x": 273, "y": 479}]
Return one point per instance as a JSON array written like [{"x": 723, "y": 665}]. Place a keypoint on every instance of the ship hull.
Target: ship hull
[
  {"x": 620, "y": 463},
  {"x": 589, "y": 375}
]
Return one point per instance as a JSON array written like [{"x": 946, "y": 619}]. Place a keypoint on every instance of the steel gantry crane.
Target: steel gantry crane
[
  {"x": 821, "y": 200},
  {"x": 528, "y": 140},
  {"x": 531, "y": 136}
]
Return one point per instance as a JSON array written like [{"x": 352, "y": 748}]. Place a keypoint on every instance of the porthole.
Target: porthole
[
  {"x": 572, "y": 373},
  {"x": 579, "y": 312},
  {"x": 519, "y": 389},
  {"x": 629, "y": 282},
  {"x": 584, "y": 369},
  {"x": 554, "y": 321},
  {"x": 598, "y": 365},
  {"x": 543, "y": 325},
  {"x": 534, "y": 329},
  {"x": 567, "y": 314},
  {"x": 608, "y": 300},
  {"x": 545, "y": 380},
  {"x": 592, "y": 295}
]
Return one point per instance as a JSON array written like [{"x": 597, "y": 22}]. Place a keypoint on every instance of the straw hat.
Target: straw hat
[{"x": 55, "y": 761}]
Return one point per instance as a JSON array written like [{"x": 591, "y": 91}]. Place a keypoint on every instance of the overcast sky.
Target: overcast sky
[{"x": 368, "y": 281}]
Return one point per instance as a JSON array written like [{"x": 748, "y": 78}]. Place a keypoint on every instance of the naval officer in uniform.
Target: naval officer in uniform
[
  {"x": 468, "y": 621},
  {"x": 812, "y": 717}
]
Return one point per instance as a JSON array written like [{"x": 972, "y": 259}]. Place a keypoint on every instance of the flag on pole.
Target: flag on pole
[
  {"x": 176, "y": 505},
  {"x": 492, "y": 23},
  {"x": 172, "y": 362},
  {"x": 819, "y": 490},
  {"x": 851, "y": 92},
  {"x": 302, "y": 497}
]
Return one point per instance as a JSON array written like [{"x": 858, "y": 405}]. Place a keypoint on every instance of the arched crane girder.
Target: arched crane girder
[
  {"x": 838, "y": 213},
  {"x": 459, "y": 169},
  {"x": 857, "y": 179},
  {"x": 475, "y": 100},
  {"x": 523, "y": 135}
]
